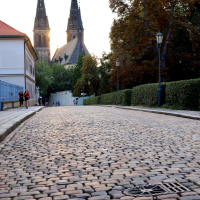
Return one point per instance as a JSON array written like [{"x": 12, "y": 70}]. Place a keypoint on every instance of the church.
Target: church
[{"x": 68, "y": 54}]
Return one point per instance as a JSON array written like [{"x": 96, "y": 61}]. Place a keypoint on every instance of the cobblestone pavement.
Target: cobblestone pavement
[{"x": 95, "y": 153}]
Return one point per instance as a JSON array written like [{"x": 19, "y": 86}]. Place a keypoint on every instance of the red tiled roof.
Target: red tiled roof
[{"x": 5, "y": 29}]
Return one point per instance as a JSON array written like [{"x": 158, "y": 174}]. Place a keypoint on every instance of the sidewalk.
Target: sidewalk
[
  {"x": 11, "y": 118},
  {"x": 178, "y": 113}
]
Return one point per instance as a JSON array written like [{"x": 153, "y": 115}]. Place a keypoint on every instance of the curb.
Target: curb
[
  {"x": 4, "y": 132},
  {"x": 182, "y": 115}
]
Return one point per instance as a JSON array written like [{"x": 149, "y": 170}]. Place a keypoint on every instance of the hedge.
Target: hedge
[
  {"x": 179, "y": 94},
  {"x": 147, "y": 95},
  {"x": 184, "y": 94},
  {"x": 124, "y": 98},
  {"x": 91, "y": 101}
]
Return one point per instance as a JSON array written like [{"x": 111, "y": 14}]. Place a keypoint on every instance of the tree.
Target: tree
[
  {"x": 43, "y": 75},
  {"x": 89, "y": 73},
  {"x": 133, "y": 38},
  {"x": 60, "y": 78},
  {"x": 77, "y": 71},
  {"x": 105, "y": 69}
]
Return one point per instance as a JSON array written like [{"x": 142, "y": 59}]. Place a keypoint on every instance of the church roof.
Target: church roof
[
  {"x": 68, "y": 54},
  {"x": 6, "y": 30}
]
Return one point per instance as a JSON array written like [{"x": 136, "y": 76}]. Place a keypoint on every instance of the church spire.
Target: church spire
[
  {"x": 41, "y": 19},
  {"x": 80, "y": 23},
  {"x": 74, "y": 21},
  {"x": 41, "y": 33}
]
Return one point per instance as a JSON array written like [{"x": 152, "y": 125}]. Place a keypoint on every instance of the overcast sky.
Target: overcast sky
[{"x": 96, "y": 16}]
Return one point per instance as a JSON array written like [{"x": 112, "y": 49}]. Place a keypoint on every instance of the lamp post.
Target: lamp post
[
  {"x": 117, "y": 64},
  {"x": 159, "y": 38},
  {"x": 99, "y": 88},
  {"x": 89, "y": 91}
]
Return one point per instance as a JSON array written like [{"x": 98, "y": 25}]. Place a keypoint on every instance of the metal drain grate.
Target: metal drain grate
[{"x": 156, "y": 190}]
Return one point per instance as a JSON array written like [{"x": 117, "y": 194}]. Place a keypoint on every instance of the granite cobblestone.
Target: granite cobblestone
[{"x": 95, "y": 153}]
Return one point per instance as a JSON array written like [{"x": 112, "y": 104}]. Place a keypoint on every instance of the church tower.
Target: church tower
[
  {"x": 41, "y": 33},
  {"x": 73, "y": 21}
]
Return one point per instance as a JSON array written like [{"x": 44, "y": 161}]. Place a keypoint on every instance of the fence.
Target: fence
[{"x": 9, "y": 92}]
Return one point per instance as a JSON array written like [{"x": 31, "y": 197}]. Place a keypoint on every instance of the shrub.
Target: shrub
[
  {"x": 91, "y": 101},
  {"x": 184, "y": 94},
  {"x": 124, "y": 98},
  {"x": 147, "y": 95}
]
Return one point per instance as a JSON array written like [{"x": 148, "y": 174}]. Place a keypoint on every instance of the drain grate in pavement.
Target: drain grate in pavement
[{"x": 156, "y": 190}]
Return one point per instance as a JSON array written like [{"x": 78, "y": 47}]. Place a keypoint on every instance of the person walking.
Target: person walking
[
  {"x": 27, "y": 97},
  {"x": 21, "y": 98}
]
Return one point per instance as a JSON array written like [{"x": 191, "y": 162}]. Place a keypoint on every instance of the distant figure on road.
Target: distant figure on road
[
  {"x": 44, "y": 101},
  {"x": 21, "y": 98},
  {"x": 39, "y": 101},
  {"x": 58, "y": 103},
  {"x": 27, "y": 97},
  {"x": 74, "y": 102}
]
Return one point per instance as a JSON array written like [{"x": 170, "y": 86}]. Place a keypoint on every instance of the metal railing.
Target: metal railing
[{"x": 9, "y": 92}]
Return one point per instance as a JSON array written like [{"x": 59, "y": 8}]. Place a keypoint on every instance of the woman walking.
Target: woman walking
[
  {"x": 27, "y": 97},
  {"x": 21, "y": 98}
]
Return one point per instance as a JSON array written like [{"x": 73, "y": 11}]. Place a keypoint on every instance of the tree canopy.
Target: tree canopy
[
  {"x": 89, "y": 73},
  {"x": 133, "y": 40}
]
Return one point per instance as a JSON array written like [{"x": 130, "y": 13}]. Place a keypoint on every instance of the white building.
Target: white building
[{"x": 17, "y": 59}]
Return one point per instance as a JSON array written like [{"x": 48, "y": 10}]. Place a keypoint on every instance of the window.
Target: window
[
  {"x": 31, "y": 69},
  {"x": 45, "y": 38},
  {"x": 74, "y": 36},
  {"x": 40, "y": 40}
]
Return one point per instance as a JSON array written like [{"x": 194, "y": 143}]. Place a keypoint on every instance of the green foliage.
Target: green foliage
[
  {"x": 175, "y": 95},
  {"x": 105, "y": 69},
  {"x": 124, "y": 98},
  {"x": 76, "y": 71},
  {"x": 147, "y": 95},
  {"x": 43, "y": 75},
  {"x": 92, "y": 101},
  {"x": 89, "y": 73},
  {"x": 184, "y": 94},
  {"x": 60, "y": 78}
]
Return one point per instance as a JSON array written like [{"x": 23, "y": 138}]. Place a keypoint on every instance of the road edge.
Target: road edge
[{"x": 158, "y": 112}]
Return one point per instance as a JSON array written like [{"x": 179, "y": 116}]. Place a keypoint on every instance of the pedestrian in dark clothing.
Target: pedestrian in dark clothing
[{"x": 21, "y": 98}]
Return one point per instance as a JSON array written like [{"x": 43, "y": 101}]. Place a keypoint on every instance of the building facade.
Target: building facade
[
  {"x": 68, "y": 54},
  {"x": 17, "y": 59},
  {"x": 41, "y": 33}
]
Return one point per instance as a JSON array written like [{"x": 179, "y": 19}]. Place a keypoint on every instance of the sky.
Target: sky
[{"x": 96, "y": 16}]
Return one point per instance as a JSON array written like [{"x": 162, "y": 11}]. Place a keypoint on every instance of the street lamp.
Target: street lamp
[
  {"x": 99, "y": 88},
  {"x": 159, "y": 38},
  {"x": 89, "y": 91},
  {"x": 117, "y": 64}
]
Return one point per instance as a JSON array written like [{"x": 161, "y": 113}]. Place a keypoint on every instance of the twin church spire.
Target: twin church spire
[{"x": 41, "y": 30}]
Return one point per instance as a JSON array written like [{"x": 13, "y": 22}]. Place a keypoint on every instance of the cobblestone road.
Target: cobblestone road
[{"x": 95, "y": 153}]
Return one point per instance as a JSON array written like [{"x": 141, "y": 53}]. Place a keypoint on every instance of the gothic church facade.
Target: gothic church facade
[{"x": 41, "y": 33}]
